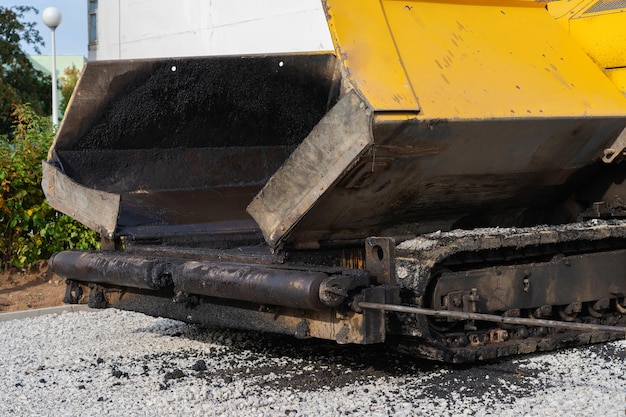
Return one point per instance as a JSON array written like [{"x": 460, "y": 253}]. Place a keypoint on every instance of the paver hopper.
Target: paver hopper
[{"x": 429, "y": 116}]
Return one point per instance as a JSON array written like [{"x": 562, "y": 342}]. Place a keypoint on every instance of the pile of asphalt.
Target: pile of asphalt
[{"x": 213, "y": 102}]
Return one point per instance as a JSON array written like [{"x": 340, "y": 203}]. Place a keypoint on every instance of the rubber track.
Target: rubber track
[{"x": 417, "y": 258}]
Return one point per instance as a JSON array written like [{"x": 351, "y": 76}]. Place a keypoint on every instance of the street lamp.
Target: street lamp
[{"x": 51, "y": 16}]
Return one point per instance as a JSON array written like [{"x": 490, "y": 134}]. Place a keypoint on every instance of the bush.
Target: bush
[{"x": 30, "y": 229}]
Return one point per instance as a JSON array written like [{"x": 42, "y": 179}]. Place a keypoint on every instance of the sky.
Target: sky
[{"x": 71, "y": 35}]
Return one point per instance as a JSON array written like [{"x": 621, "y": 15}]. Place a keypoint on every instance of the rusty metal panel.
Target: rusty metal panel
[
  {"x": 441, "y": 174},
  {"x": 380, "y": 259},
  {"x": 562, "y": 281},
  {"x": 97, "y": 210},
  {"x": 333, "y": 147},
  {"x": 351, "y": 327}
]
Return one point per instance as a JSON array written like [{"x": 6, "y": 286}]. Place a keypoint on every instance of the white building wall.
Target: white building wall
[{"x": 167, "y": 28}]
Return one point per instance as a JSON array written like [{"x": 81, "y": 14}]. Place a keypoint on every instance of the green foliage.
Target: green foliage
[
  {"x": 30, "y": 229},
  {"x": 68, "y": 82},
  {"x": 20, "y": 82}
]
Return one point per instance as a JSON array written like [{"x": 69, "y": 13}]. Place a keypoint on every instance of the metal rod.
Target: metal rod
[
  {"x": 493, "y": 318},
  {"x": 55, "y": 92}
]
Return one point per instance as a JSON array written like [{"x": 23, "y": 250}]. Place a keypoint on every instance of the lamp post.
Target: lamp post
[{"x": 51, "y": 16}]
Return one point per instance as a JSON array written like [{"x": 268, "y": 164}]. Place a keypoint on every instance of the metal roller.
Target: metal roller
[
  {"x": 111, "y": 268},
  {"x": 237, "y": 281},
  {"x": 288, "y": 288}
]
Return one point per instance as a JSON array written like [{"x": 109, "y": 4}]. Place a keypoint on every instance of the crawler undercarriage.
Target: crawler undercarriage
[{"x": 538, "y": 273}]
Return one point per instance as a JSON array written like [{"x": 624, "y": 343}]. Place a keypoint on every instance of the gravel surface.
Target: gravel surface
[{"x": 114, "y": 363}]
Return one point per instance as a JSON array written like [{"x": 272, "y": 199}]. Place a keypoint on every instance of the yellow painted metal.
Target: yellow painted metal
[
  {"x": 468, "y": 59},
  {"x": 564, "y": 10},
  {"x": 366, "y": 48},
  {"x": 599, "y": 27},
  {"x": 618, "y": 76}
]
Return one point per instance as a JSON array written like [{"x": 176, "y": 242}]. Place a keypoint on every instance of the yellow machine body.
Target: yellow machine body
[
  {"x": 469, "y": 60},
  {"x": 598, "y": 27}
]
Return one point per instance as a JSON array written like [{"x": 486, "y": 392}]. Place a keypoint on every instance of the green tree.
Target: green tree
[
  {"x": 29, "y": 228},
  {"x": 68, "y": 82},
  {"x": 20, "y": 82}
]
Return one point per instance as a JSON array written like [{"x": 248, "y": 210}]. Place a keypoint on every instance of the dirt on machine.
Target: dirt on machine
[{"x": 447, "y": 181}]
